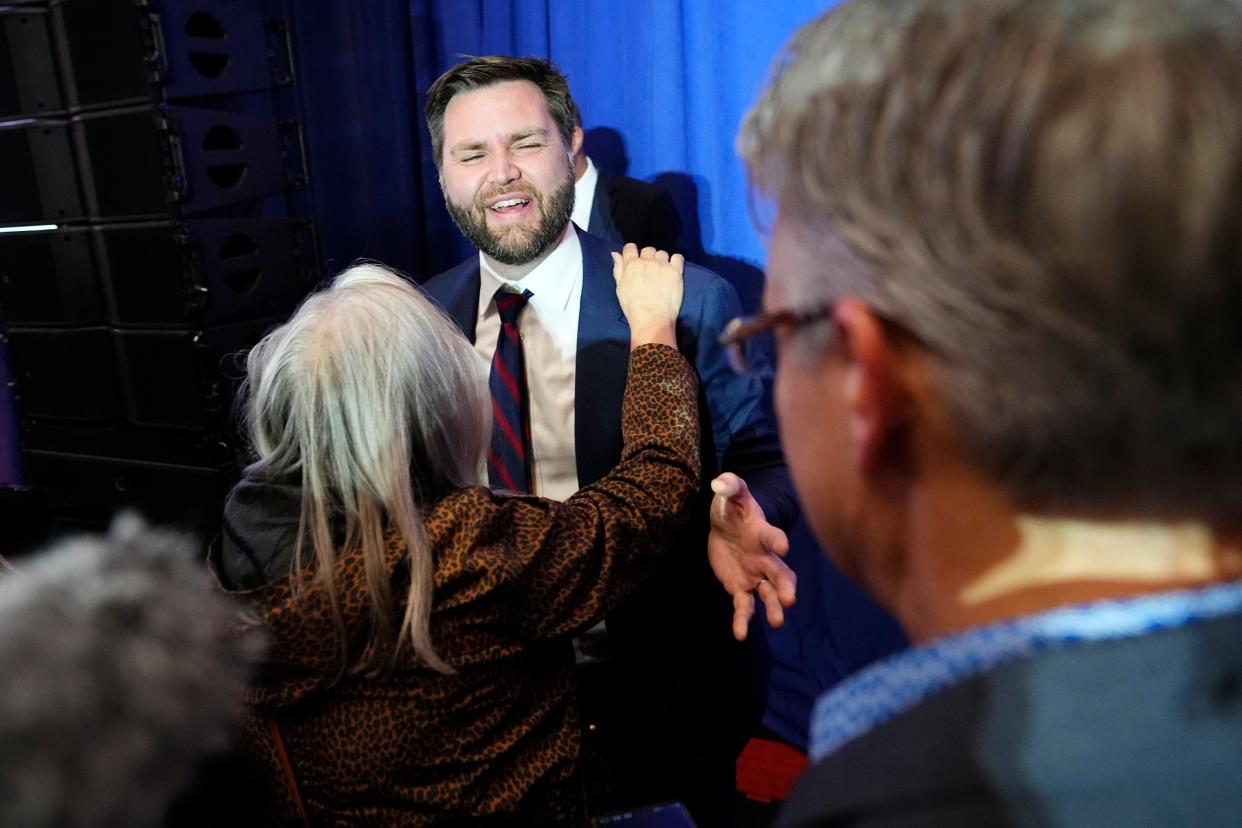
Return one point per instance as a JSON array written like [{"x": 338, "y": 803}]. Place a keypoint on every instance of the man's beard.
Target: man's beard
[{"x": 527, "y": 245}]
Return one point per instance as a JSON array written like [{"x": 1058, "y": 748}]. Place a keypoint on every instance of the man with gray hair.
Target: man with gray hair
[{"x": 1006, "y": 281}]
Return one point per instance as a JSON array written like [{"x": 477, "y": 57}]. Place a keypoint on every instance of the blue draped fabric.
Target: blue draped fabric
[{"x": 662, "y": 85}]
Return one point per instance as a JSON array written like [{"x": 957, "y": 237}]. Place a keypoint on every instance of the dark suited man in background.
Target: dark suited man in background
[
  {"x": 619, "y": 208},
  {"x": 502, "y": 133},
  {"x": 1006, "y": 279}
]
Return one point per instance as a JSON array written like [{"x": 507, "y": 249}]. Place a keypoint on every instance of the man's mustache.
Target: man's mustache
[{"x": 483, "y": 200}]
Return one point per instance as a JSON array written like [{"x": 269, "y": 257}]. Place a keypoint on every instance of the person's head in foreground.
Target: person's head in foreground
[
  {"x": 123, "y": 673},
  {"x": 504, "y": 131},
  {"x": 1005, "y": 279},
  {"x": 1015, "y": 227}
]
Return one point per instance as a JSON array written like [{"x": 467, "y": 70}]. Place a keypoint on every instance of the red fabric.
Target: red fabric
[{"x": 767, "y": 770}]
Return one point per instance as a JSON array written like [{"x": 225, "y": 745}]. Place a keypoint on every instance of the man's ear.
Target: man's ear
[
  {"x": 576, "y": 141},
  {"x": 876, "y": 394}
]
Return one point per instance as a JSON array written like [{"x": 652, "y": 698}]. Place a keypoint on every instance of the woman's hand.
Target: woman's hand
[{"x": 649, "y": 288}]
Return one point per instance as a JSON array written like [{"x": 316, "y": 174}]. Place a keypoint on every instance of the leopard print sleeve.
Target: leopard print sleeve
[{"x": 576, "y": 560}]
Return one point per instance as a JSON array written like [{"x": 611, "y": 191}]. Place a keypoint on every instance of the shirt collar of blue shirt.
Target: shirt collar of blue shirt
[{"x": 897, "y": 683}]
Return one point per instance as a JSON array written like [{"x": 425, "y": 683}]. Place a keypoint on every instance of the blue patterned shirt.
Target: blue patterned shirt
[{"x": 897, "y": 683}]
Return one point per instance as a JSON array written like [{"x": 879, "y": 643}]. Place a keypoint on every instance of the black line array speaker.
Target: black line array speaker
[
  {"x": 189, "y": 159},
  {"x": 154, "y": 223},
  {"x": 154, "y": 273},
  {"x": 29, "y": 82}
]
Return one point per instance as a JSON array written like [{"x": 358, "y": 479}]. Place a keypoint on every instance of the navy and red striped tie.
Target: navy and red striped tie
[{"x": 508, "y": 460}]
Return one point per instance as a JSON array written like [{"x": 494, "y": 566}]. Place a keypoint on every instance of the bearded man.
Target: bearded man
[{"x": 682, "y": 696}]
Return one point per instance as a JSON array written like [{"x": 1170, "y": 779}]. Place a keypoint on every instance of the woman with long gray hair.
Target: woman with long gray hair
[{"x": 420, "y": 668}]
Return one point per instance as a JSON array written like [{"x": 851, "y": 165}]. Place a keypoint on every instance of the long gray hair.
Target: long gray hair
[{"x": 377, "y": 402}]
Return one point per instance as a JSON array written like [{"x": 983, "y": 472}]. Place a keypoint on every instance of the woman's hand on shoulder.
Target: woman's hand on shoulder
[{"x": 649, "y": 288}]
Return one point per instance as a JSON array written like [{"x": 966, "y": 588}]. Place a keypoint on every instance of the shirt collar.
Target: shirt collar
[
  {"x": 551, "y": 283},
  {"x": 584, "y": 195},
  {"x": 895, "y": 684},
  {"x": 589, "y": 178}
]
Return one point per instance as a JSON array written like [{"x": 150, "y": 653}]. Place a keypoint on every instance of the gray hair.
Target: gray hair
[
  {"x": 123, "y": 672},
  {"x": 1048, "y": 195},
  {"x": 372, "y": 396}
]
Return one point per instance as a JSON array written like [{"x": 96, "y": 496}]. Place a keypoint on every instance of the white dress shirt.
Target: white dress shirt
[
  {"x": 584, "y": 195},
  {"x": 549, "y": 329}
]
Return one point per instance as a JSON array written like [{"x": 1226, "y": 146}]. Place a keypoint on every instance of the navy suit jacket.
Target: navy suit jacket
[
  {"x": 741, "y": 439},
  {"x": 679, "y": 620}
]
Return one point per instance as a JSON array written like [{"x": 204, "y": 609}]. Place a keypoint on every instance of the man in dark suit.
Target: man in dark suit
[
  {"x": 1004, "y": 276},
  {"x": 502, "y": 134},
  {"x": 619, "y": 208}
]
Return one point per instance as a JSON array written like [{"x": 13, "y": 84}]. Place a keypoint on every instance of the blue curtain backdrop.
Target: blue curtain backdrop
[{"x": 662, "y": 85}]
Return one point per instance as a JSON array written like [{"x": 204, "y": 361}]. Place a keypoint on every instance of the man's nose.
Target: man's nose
[{"x": 502, "y": 169}]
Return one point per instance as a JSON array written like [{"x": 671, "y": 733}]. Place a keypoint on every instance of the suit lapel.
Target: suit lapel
[
  {"x": 459, "y": 295},
  {"x": 603, "y": 360}
]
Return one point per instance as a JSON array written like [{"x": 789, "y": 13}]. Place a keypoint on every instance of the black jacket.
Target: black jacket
[
  {"x": 628, "y": 210},
  {"x": 1142, "y": 731}
]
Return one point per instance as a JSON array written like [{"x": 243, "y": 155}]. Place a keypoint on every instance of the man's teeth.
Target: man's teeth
[{"x": 509, "y": 202}]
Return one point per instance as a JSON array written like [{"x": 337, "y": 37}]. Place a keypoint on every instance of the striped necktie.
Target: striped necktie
[{"x": 508, "y": 460}]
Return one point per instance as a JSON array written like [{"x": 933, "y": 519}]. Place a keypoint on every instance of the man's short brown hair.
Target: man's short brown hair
[{"x": 481, "y": 72}]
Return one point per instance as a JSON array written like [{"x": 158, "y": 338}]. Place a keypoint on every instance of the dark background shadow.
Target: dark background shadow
[
  {"x": 688, "y": 193},
  {"x": 607, "y": 149}
]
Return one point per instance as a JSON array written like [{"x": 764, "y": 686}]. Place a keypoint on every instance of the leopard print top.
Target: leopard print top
[{"x": 515, "y": 578}]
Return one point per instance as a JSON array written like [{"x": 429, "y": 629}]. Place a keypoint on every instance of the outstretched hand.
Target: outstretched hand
[
  {"x": 745, "y": 553},
  {"x": 649, "y": 289}
]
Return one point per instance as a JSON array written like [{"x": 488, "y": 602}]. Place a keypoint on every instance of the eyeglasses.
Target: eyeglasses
[{"x": 744, "y": 329}]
